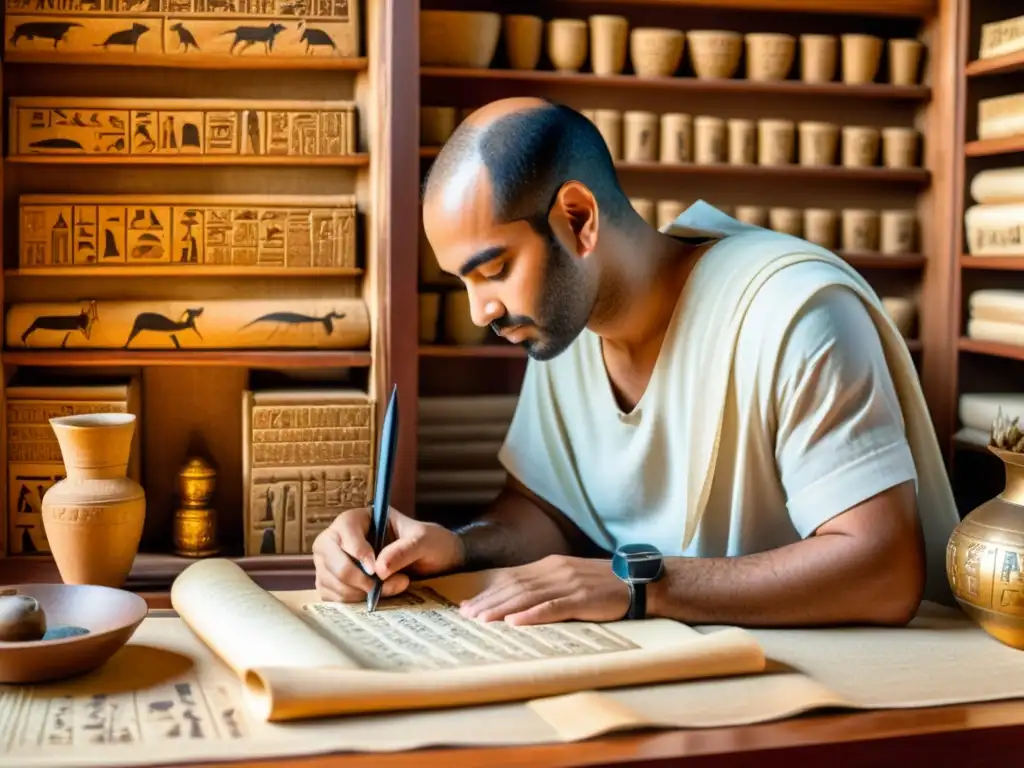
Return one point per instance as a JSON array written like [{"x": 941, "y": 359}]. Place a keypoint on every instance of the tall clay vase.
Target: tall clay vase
[
  {"x": 93, "y": 517},
  {"x": 985, "y": 558}
]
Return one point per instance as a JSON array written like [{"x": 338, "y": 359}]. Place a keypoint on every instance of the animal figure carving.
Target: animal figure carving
[
  {"x": 314, "y": 38},
  {"x": 295, "y": 319},
  {"x": 249, "y": 36},
  {"x": 185, "y": 38},
  {"x": 154, "y": 321},
  {"x": 128, "y": 36},
  {"x": 82, "y": 322},
  {"x": 44, "y": 30}
]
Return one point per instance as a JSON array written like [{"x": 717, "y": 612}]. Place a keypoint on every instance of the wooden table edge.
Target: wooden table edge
[{"x": 949, "y": 735}]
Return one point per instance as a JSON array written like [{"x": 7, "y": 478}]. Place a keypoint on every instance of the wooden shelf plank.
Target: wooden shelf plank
[
  {"x": 920, "y": 176},
  {"x": 1005, "y": 263},
  {"x": 155, "y": 572},
  {"x": 335, "y": 161},
  {"x": 988, "y": 147},
  {"x": 182, "y": 270},
  {"x": 262, "y": 63},
  {"x": 1011, "y": 62},
  {"x": 991, "y": 348},
  {"x": 884, "y": 260},
  {"x": 253, "y": 358},
  {"x": 732, "y": 85},
  {"x": 919, "y": 9},
  {"x": 504, "y": 349}
]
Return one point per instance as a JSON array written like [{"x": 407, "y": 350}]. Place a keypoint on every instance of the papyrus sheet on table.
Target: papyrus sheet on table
[
  {"x": 299, "y": 657},
  {"x": 166, "y": 698}
]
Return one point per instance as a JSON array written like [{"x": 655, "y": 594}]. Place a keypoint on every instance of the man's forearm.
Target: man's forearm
[
  {"x": 820, "y": 580},
  {"x": 513, "y": 531}
]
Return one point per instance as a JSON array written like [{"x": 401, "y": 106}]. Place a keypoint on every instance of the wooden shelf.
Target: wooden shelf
[
  {"x": 912, "y": 8},
  {"x": 155, "y": 572},
  {"x": 988, "y": 147},
  {"x": 1011, "y": 62},
  {"x": 884, "y": 260},
  {"x": 262, "y": 63},
  {"x": 732, "y": 85},
  {"x": 228, "y": 358},
  {"x": 991, "y": 348},
  {"x": 1005, "y": 263},
  {"x": 481, "y": 350},
  {"x": 918, "y": 176},
  {"x": 334, "y": 161},
  {"x": 182, "y": 270}
]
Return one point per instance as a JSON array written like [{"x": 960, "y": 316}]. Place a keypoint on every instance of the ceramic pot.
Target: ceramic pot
[
  {"x": 655, "y": 52},
  {"x": 609, "y": 41},
  {"x": 714, "y": 53},
  {"x": 985, "y": 556},
  {"x": 524, "y": 40},
  {"x": 567, "y": 44},
  {"x": 818, "y": 56},
  {"x": 861, "y": 56},
  {"x": 93, "y": 518},
  {"x": 742, "y": 141},
  {"x": 769, "y": 56},
  {"x": 904, "y": 61}
]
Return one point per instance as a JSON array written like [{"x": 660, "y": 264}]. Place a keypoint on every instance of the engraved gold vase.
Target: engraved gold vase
[
  {"x": 985, "y": 558},
  {"x": 93, "y": 517},
  {"x": 195, "y": 523}
]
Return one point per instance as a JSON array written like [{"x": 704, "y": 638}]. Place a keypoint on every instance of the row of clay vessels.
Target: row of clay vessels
[
  {"x": 714, "y": 54},
  {"x": 637, "y": 136},
  {"x": 892, "y": 231},
  {"x": 458, "y": 326}
]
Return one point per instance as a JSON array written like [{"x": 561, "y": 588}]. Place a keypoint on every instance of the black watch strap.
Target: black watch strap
[{"x": 637, "y": 601}]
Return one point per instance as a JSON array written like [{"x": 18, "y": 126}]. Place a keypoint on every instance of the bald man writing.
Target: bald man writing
[{"x": 718, "y": 423}]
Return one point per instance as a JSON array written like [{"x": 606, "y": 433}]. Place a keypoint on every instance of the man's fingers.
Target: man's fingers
[
  {"x": 340, "y": 566},
  {"x": 397, "y": 555},
  {"x": 548, "y": 612},
  {"x": 331, "y": 589},
  {"x": 352, "y": 528},
  {"x": 394, "y": 585}
]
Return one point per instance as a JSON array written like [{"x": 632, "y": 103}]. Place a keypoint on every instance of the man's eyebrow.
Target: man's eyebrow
[{"x": 484, "y": 256}]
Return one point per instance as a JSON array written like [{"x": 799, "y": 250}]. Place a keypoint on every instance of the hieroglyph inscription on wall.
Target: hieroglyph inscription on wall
[
  {"x": 306, "y": 463},
  {"x": 58, "y": 231},
  {"x": 174, "y": 127},
  {"x": 171, "y": 32},
  {"x": 34, "y": 463}
]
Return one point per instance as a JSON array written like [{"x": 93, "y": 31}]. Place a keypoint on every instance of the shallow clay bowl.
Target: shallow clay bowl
[{"x": 111, "y": 617}]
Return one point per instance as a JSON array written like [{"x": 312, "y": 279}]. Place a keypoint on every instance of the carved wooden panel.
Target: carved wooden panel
[
  {"x": 210, "y": 231},
  {"x": 34, "y": 461},
  {"x": 182, "y": 32},
  {"x": 145, "y": 128},
  {"x": 216, "y": 324},
  {"x": 307, "y": 457}
]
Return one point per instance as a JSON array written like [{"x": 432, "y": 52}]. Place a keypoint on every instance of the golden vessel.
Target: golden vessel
[
  {"x": 985, "y": 554},
  {"x": 195, "y": 523}
]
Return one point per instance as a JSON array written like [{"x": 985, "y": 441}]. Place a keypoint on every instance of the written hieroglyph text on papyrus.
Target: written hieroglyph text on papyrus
[
  {"x": 179, "y": 711},
  {"x": 420, "y": 629}
]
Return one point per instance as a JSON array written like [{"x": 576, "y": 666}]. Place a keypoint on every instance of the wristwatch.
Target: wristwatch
[{"x": 637, "y": 565}]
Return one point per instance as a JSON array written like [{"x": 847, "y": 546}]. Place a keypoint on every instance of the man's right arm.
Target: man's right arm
[{"x": 518, "y": 528}]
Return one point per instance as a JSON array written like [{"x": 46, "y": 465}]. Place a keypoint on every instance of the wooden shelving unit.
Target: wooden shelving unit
[
  {"x": 192, "y": 398},
  {"x": 494, "y": 368},
  {"x": 980, "y": 366}
]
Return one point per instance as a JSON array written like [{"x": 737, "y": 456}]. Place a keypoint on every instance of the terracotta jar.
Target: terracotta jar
[
  {"x": 985, "y": 555},
  {"x": 93, "y": 518}
]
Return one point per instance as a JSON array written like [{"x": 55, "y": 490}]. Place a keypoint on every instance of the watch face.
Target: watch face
[{"x": 637, "y": 562}]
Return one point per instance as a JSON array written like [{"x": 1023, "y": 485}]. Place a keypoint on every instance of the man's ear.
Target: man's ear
[{"x": 574, "y": 218}]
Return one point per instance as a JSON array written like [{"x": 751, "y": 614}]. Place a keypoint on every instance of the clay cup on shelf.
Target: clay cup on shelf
[
  {"x": 567, "y": 44},
  {"x": 786, "y": 220},
  {"x": 714, "y": 53},
  {"x": 769, "y": 56},
  {"x": 458, "y": 322},
  {"x": 93, "y": 517},
  {"x": 436, "y": 125},
  {"x": 755, "y": 215},
  {"x": 655, "y": 51},
  {"x": 899, "y": 147},
  {"x": 860, "y": 146},
  {"x": 609, "y": 43},
  {"x": 710, "y": 140},
  {"x": 668, "y": 211},
  {"x": 819, "y": 143},
  {"x": 742, "y": 141},
  {"x": 862, "y": 55},
  {"x": 775, "y": 142},
  {"x": 898, "y": 231},
  {"x": 818, "y": 56},
  {"x": 609, "y": 125},
  {"x": 645, "y": 208},
  {"x": 901, "y": 311},
  {"x": 820, "y": 227},
  {"x": 676, "y": 140},
  {"x": 524, "y": 40},
  {"x": 905, "y": 61},
  {"x": 641, "y": 137},
  {"x": 860, "y": 230},
  {"x": 459, "y": 38}
]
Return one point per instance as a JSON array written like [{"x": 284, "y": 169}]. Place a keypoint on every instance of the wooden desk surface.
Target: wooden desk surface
[{"x": 961, "y": 736}]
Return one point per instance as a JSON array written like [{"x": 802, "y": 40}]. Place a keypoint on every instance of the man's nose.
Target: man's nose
[{"x": 483, "y": 309}]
